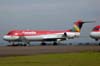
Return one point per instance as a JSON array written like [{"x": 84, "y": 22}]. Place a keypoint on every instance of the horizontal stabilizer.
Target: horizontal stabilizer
[{"x": 88, "y": 21}]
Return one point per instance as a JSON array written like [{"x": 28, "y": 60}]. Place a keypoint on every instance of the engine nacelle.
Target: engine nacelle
[{"x": 71, "y": 35}]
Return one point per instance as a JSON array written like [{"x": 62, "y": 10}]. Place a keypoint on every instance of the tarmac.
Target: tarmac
[{"x": 6, "y": 51}]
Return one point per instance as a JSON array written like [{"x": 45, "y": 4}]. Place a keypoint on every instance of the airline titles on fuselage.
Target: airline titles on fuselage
[{"x": 32, "y": 33}]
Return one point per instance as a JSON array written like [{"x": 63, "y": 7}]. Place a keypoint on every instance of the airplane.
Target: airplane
[
  {"x": 95, "y": 33},
  {"x": 27, "y": 36}
]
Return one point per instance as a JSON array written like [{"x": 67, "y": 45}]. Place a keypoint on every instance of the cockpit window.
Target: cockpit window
[
  {"x": 96, "y": 29},
  {"x": 9, "y": 33}
]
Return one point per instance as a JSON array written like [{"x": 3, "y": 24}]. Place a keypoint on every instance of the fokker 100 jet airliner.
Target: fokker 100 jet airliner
[{"x": 26, "y": 36}]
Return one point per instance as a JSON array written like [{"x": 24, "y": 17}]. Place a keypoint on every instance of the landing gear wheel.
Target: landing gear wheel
[
  {"x": 55, "y": 43},
  {"x": 43, "y": 44},
  {"x": 96, "y": 39},
  {"x": 25, "y": 45},
  {"x": 99, "y": 44}
]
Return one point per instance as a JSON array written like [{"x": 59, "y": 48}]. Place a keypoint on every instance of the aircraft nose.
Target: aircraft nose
[
  {"x": 91, "y": 34},
  {"x": 6, "y": 37},
  {"x": 94, "y": 34}
]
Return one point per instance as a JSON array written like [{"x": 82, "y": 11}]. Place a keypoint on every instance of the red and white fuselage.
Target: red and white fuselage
[
  {"x": 95, "y": 34},
  {"x": 39, "y": 35}
]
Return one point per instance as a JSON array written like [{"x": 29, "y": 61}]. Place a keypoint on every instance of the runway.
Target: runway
[{"x": 33, "y": 50}]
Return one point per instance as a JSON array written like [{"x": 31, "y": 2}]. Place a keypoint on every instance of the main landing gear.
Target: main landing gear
[
  {"x": 54, "y": 43},
  {"x": 43, "y": 43}
]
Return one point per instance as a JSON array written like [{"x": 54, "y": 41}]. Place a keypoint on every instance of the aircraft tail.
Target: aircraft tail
[{"x": 78, "y": 25}]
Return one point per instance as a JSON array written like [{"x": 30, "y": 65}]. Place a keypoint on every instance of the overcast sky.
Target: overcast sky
[{"x": 48, "y": 15}]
